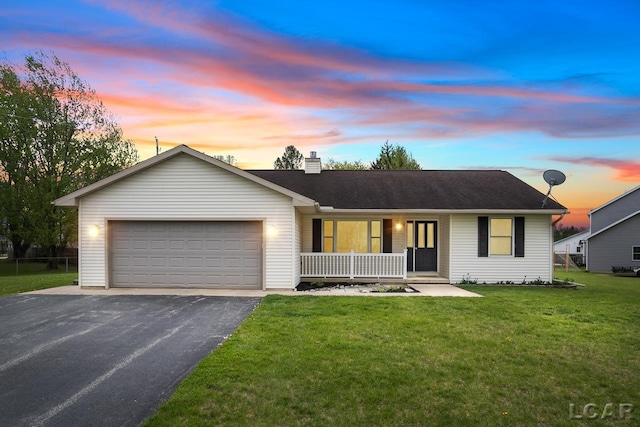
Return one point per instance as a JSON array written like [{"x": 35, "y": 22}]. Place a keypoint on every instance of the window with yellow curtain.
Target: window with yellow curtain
[
  {"x": 357, "y": 235},
  {"x": 327, "y": 233},
  {"x": 352, "y": 235},
  {"x": 376, "y": 236},
  {"x": 501, "y": 230}
]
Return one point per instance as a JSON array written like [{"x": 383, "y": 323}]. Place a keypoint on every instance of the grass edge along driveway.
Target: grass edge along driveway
[
  {"x": 520, "y": 356},
  {"x": 31, "y": 278}
]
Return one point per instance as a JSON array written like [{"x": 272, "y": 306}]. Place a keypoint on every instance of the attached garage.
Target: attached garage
[{"x": 192, "y": 254}]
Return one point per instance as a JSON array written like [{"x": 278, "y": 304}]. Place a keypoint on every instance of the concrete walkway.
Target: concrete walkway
[{"x": 431, "y": 290}]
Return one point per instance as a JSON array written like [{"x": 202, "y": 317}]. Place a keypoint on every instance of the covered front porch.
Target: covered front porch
[{"x": 363, "y": 267}]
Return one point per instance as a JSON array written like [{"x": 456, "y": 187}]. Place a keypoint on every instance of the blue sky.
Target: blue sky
[{"x": 514, "y": 85}]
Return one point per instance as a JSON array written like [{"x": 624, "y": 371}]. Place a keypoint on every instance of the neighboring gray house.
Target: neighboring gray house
[
  {"x": 185, "y": 219},
  {"x": 575, "y": 245},
  {"x": 614, "y": 239}
]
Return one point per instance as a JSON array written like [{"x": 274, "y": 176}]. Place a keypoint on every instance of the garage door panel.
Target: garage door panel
[
  {"x": 186, "y": 254},
  {"x": 194, "y": 245},
  {"x": 232, "y": 263},
  {"x": 179, "y": 262},
  {"x": 121, "y": 261},
  {"x": 213, "y": 226},
  {"x": 195, "y": 278},
  {"x": 251, "y": 263},
  {"x": 156, "y": 261},
  {"x": 195, "y": 262},
  {"x": 140, "y": 244},
  {"x": 121, "y": 244},
  {"x": 158, "y": 245},
  {"x": 214, "y": 279},
  {"x": 251, "y": 245},
  {"x": 214, "y": 244},
  {"x": 121, "y": 278},
  {"x": 233, "y": 228},
  {"x": 253, "y": 228},
  {"x": 254, "y": 280},
  {"x": 214, "y": 262},
  {"x": 232, "y": 279},
  {"x": 156, "y": 278},
  {"x": 139, "y": 277},
  {"x": 140, "y": 261},
  {"x": 176, "y": 245},
  {"x": 232, "y": 245}
]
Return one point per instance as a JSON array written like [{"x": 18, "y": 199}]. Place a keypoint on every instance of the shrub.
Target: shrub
[{"x": 467, "y": 280}]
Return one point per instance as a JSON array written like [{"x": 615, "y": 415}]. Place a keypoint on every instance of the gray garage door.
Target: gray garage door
[{"x": 186, "y": 254}]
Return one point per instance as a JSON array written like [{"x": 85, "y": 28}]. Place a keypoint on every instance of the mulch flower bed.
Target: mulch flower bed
[{"x": 361, "y": 287}]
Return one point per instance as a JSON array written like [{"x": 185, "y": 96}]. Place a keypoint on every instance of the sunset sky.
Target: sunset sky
[{"x": 522, "y": 86}]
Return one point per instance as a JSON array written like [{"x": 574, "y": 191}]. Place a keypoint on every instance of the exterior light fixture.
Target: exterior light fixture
[
  {"x": 94, "y": 230},
  {"x": 398, "y": 226},
  {"x": 272, "y": 231}
]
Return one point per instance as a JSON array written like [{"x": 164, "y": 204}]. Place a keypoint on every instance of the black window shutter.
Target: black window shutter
[
  {"x": 387, "y": 236},
  {"x": 317, "y": 235},
  {"x": 483, "y": 236},
  {"x": 519, "y": 241}
]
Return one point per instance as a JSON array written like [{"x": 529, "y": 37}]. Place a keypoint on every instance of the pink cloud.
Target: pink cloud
[
  {"x": 251, "y": 47},
  {"x": 624, "y": 170},
  {"x": 324, "y": 135},
  {"x": 262, "y": 46},
  {"x": 206, "y": 51}
]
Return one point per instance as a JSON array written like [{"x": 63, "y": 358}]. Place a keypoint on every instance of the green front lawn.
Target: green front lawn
[
  {"x": 31, "y": 277},
  {"x": 519, "y": 356}
]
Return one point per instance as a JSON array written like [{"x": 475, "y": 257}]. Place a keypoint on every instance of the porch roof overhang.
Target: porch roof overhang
[{"x": 330, "y": 209}]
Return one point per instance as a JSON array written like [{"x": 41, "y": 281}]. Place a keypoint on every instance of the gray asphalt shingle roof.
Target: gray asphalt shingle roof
[{"x": 425, "y": 189}]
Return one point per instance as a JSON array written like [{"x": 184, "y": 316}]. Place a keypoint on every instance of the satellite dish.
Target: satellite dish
[{"x": 552, "y": 177}]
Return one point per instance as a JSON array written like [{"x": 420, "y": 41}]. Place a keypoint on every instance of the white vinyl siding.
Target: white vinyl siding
[
  {"x": 297, "y": 245},
  {"x": 465, "y": 262},
  {"x": 444, "y": 246},
  {"x": 399, "y": 235},
  {"x": 185, "y": 188}
]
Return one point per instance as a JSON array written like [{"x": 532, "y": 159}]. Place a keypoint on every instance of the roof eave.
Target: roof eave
[
  {"x": 573, "y": 236},
  {"x": 610, "y": 226},
  {"x": 330, "y": 209},
  {"x": 626, "y": 193}
]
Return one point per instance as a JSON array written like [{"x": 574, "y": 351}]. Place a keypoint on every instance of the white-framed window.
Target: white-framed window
[
  {"x": 327, "y": 236},
  {"x": 500, "y": 236},
  {"x": 635, "y": 253},
  {"x": 362, "y": 236}
]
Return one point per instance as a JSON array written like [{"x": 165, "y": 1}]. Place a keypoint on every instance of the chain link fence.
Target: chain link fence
[{"x": 19, "y": 266}]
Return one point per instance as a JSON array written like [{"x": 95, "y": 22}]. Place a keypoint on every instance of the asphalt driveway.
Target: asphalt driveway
[{"x": 104, "y": 360}]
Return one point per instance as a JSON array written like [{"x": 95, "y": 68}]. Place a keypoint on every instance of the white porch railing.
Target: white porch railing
[{"x": 352, "y": 265}]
